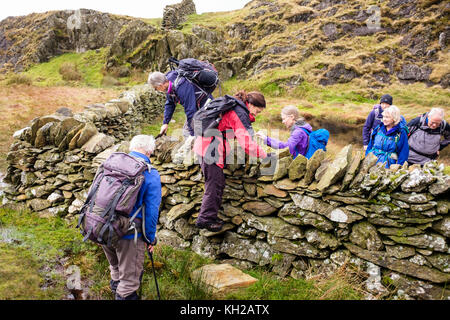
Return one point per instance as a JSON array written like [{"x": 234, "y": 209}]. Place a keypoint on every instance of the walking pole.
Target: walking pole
[{"x": 154, "y": 272}]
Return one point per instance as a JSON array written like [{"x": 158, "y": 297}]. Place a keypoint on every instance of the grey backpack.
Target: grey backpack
[{"x": 105, "y": 215}]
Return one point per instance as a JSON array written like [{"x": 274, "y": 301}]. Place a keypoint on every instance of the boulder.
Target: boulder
[
  {"x": 298, "y": 248},
  {"x": 297, "y": 168},
  {"x": 322, "y": 240},
  {"x": 337, "y": 169},
  {"x": 425, "y": 241},
  {"x": 417, "y": 181},
  {"x": 255, "y": 251},
  {"x": 259, "y": 208},
  {"x": 297, "y": 216},
  {"x": 221, "y": 278},
  {"x": 365, "y": 235},
  {"x": 312, "y": 165},
  {"x": 381, "y": 259},
  {"x": 98, "y": 143},
  {"x": 274, "y": 226}
]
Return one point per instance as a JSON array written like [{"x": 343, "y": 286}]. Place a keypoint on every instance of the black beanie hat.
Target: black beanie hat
[{"x": 386, "y": 99}]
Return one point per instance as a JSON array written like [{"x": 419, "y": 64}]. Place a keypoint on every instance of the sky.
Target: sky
[{"x": 134, "y": 8}]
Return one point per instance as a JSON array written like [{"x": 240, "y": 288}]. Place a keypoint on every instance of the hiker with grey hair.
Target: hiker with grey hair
[
  {"x": 178, "y": 90},
  {"x": 126, "y": 262},
  {"x": 389, "y": 140},
  {"x": 429, "y": 134}
]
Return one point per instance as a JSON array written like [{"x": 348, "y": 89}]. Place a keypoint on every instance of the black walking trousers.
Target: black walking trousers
[{"x": 212, "y": 199}]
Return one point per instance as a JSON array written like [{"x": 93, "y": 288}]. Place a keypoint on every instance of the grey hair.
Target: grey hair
[
  {"x": 291, "y": 110},
  {"x": 143, "y": 143},
  {"x": 394, "y": 112},
  {"x": 437, "y": 111},
  {"x": 156, "y": 79}
]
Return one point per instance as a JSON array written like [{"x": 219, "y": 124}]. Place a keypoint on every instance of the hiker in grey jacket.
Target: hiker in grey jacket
[
  {"x": 425, "y": 137},
  {"x": 127, "y": 261},
  {"x": 375, "y": 117}
]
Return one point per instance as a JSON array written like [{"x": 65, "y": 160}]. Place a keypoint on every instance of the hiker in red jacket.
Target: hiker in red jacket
[{"x": 235, "y": 123}]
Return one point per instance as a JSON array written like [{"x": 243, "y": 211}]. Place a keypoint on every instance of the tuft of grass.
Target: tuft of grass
[
  {"x": 19, "y": 78},
  {"x": 69, "y": 71},
  {"x": 342, "y": 285},
  {"x": 85, "y": 68}
]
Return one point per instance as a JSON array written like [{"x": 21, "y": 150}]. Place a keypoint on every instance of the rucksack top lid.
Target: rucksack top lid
[{"x": 125, "y": 164}]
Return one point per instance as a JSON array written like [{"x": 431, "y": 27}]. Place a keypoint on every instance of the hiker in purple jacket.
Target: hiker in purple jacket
[
  {"x": 375, "y": 118},
  {"x": 298, "y": 141}
]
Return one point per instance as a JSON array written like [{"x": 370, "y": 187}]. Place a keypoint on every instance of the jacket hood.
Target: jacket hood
[{"x": 301, "y": 124}]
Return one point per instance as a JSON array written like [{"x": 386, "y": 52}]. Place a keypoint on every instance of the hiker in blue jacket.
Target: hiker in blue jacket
[
  {"x": 299, "y": 140},
  {"x": 178, "y": 90},
  {"x": 389, "y": 140},
  {"x": 375, "y": 117},
  {"x": 127, "y": 261}
]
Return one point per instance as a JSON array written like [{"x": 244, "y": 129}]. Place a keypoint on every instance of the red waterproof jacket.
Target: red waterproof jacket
[{"x": 235, "y": 124}]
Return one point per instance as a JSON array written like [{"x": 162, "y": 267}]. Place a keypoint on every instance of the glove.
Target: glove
[
  {"x": 152, "y": 244},
  {"x": 268, "y": 160}
]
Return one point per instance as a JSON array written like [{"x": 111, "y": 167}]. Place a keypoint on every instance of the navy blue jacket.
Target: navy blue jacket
[
  {"x": 371, "y": 123},
  {"x": 187, "y": 94},
  {"x": 150, "y": 196}
]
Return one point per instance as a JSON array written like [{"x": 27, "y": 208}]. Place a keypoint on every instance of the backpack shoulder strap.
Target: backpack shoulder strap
[
  {"x": 376, "y": 110},
  {"x": 443, "y": 125}
]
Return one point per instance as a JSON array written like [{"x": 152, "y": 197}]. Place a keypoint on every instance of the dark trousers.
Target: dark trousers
[{"x": 212, "y": 199}]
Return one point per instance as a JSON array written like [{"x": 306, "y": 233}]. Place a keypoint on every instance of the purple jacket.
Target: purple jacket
[{"x": 297, "y": 142}]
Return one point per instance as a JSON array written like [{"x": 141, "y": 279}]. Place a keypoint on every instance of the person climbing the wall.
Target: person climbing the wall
[
  {"x": 189, "y": 83},
  {"x": 222, "y": 119}
]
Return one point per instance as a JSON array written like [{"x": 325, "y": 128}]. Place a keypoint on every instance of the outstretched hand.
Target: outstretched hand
[
  {"x": 164, "y": 128},
  {"x": 260, "y": 134}
]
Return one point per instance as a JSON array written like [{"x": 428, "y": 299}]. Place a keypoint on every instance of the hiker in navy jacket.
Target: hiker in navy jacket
[
  {"x": 127, "y": 261},
  {"x": 375, "y": 118},
  {"x": 298, "y": 141},
  {"x": 178, "y": 90},
  {"x": 389, "y": 140}
]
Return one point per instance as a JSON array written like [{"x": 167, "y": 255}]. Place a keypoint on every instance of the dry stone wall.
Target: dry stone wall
[
  {"x": 318, "y": 214},
  {"x": 52, "y": 162},
  {"x": 177, "y": 13}
]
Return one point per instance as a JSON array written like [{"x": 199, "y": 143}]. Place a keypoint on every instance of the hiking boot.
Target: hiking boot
[
  {"x": 210, "y": 226},
  {"x": 133, "y": 296},
  {"x": 113, "y": 285}
]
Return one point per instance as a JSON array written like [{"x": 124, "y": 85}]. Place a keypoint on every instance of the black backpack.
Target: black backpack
[
  {"x": 209, "y": 116},
  {"x": 202, "y": 73}
]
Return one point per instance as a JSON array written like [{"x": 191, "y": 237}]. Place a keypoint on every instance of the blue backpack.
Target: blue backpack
[{"x": 317, "y": 139}]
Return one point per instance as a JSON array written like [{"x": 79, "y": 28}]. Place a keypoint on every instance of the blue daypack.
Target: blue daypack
[{"x": 317, "y": 139}]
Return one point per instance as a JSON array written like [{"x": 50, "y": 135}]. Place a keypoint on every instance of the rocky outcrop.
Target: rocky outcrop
[{"x": 36, "y": 38}]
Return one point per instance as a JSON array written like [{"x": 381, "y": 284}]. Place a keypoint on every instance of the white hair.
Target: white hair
[
  {"x": 143, "y": 143},
  {"x": 156, "y": 79},
  {"x": 393, "y": 112},
  {"x": 437, "y": 111}
]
